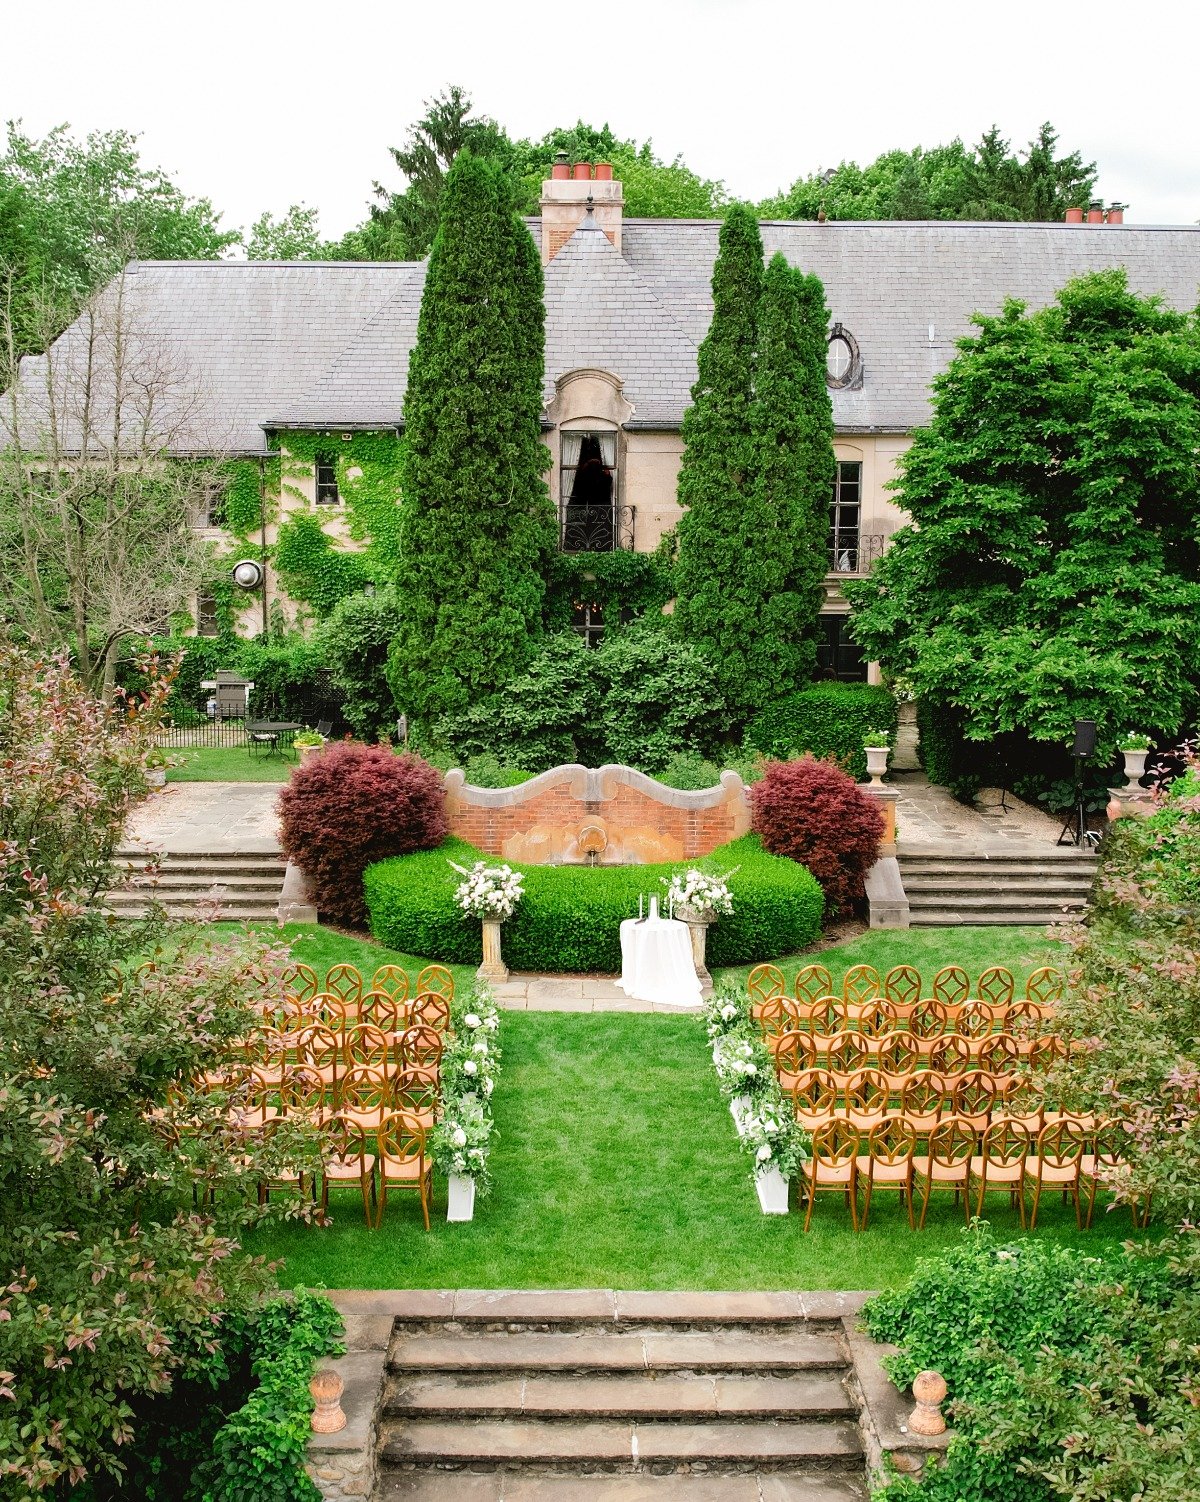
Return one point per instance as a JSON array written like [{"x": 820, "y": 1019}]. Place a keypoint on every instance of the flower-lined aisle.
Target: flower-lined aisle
[{"x": 463, "y": 1137}]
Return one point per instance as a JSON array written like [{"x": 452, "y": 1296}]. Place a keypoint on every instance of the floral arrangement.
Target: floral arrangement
[
  {"x": 1134, "y": 742},
  {"x": 742, "y": 1063},
  {"x": 876, "y": 738},
  {"x": 693, "y": 890},
  {"x": 462, "y": 1139},
  {"x": 724, "y": 1012},
  {"x": 772, "y": 1136},
  {"x": 488, "y": 891}
]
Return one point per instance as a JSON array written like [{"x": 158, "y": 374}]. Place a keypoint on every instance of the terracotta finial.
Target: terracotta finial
[
  {"x": 929, "y": 1389},
  {"x": 328, "y": 1416}
]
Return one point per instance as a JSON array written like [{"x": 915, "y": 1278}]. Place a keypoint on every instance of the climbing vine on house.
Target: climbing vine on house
[
  {"x": 623, "y": 584},
  {"x": 314, "y": 567}
]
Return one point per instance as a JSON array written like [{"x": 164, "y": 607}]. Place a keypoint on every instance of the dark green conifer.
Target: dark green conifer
[{"x": 478, "y": 525}]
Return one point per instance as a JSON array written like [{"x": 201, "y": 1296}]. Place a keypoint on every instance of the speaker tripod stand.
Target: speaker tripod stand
[{"x": 1077, "y": 819}]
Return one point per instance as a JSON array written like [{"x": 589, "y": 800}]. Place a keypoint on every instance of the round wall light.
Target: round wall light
[{"x": 248, "y": 574}]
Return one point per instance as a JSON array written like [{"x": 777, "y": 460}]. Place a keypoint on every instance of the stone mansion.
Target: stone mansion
[{"x": 323, "y": 347}]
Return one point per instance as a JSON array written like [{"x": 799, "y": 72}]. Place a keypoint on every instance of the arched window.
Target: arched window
[{"x": 588, "y": 491}]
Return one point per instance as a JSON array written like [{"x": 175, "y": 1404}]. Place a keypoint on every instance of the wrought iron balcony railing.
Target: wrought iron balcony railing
[
  {"x": 595, "y": 529},
  {"x": 855, "y": 552}
]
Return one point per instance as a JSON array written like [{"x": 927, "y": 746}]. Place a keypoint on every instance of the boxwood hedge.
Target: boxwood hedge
[
  {"x": 828, "y": 719},
  {"x": 569, "y": 919}
]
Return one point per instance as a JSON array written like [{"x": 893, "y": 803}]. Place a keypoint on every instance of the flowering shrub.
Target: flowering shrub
[
  {"x": 354, "y": 805},
  {"x": 488, "y": 891},
  {"x": 813, "y": 812},
  {"x": 462, "y": 1139},
  {"x": 694, "y": 890}
]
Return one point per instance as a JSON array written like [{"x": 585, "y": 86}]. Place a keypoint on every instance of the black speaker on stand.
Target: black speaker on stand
[{"x": 1083, "y": 750}]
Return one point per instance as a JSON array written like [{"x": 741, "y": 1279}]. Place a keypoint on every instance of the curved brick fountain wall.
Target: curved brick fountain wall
[{"x": 562, "y": 815}]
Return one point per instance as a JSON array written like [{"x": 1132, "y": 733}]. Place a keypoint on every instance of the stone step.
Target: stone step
[
  {"x": 999, "y": 917},
  {"x": 135, "y": 905},
  {"x": 578, "y": 1444},
  {"x": 464, "y": 1486},
  {"x": 630, "y": 1350},
  {"x": 1012, "y": 901},
  {"x": 188, "y": 883},
  {"x": 635, "y": 1394}
]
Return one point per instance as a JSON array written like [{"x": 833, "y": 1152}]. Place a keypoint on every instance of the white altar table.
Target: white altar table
[{"x": 656, "y": 961}]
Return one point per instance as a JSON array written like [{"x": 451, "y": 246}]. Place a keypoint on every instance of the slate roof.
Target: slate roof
[{"x": 273, "y": 344}]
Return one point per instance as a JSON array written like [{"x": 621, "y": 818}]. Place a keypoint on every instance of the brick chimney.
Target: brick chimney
[{"x": 566, "y": 198}]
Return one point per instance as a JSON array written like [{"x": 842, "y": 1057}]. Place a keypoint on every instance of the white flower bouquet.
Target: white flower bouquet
[
  {"x": 724, "y": 1012},
  {"x": 488, "y": 891},
  {"x": 772, "y": 1137},
  {"x": 742, "y": 1064},
  {"x": 462, "y": 1138},
  {"x": 692, "y": 891},
  {"x": 470, "y": 1065}
]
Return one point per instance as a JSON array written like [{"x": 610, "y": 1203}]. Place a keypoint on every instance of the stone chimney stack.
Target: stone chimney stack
[{"x": 567, "y": 196}]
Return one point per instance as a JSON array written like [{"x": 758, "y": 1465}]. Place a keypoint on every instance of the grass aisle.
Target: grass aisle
[{"x": 618, "y": 1166}]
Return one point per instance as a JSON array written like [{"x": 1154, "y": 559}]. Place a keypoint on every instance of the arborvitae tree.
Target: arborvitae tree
[
  {"x": 478, "y": 524},
  {"x": 716, "y": 475},
  {"x": 787, "y": 522}
]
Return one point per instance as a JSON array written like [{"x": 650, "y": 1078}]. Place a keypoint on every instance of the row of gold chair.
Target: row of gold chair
[
  {"x": 1005, "y": 1156},
  {"x": 392, "y": 1013},
  {"x": 904, "y": 985},
  {"x": 868, "y": 1097},
  {"x": 256, "y": 1097},
  {"x": 928, "y": 1019},
  {"x": 347, "y": 984},
  {"x": 903, "y": 1053},
  {"x": 331, "y": 1054}
]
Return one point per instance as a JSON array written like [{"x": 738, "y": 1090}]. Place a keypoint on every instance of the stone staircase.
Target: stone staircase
[
  {"x": 562, "y": 1405},
  {"x": 246, "y": 884},
  {"x": 1035, "y": 885}
]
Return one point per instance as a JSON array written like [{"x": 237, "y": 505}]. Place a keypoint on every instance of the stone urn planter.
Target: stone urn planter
[
  {"x": 698, "y": 920},
  {"x": 1135, "y": 763},
  {"x": 772, "y": 1190},
  {"x": 877, "y": 763},
  {"x": 493, "y": 969},
  {"x": 156, "y": 777},
  {"x": 461, "y": 1203},
  {"x": 305, "y": 752}
]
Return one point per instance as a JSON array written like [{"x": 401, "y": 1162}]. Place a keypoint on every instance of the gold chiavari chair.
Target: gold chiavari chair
[
  {"x": 997, "y": 986},
  {"x": 923, "y": 1102},
  {"x": 1057, "y": 1164},
  {"x": 902, "y": 985},
  {"x": 951, "y": 985},
  {"x": 833, "y": 1167},
  {"x": 764, "y": 984},
  {"x": 812, "y": 982},
  {"x": 867, "y": 1098},
  {"x": 795, "y": 1054},
  {"x": 1000, "y": 1162},
  {"x": 436, "y": 978},
  {"x": 887, "y": 1164},
  {"x": 860, "y": 983},
  {"x": 301, "y": 981},
  {"x": 344, "y": 982},
  {"x": 345, "y": 1159},
  {"x": 393, "y": 980},
  {"x": 431, "y": 1009},
  {"x": 402, "y": 1162},
  {"x": 947, "y": 1164},
  {"x": 814, "y": 1099},
  {"x": 1045, "y": 986}
]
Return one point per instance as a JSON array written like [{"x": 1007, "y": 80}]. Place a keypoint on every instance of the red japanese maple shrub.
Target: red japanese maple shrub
[
  {"x": 353, "y": 805},
  {"x": 813, "y": 811}
]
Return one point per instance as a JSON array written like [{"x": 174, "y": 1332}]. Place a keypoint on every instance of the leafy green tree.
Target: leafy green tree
[
  {"x": 355, "y": 641},
  {"x": 946, "y": 182},
  {"x": 652, "y": 188},
  {"x": 478, "y": 526},
  {"x": 1050, "y": 569},
  {"x": 402, "y": 225},
  {"x": 293, "y": 236},
  {"x": 73, "y": 213},
  {"x": 717, "y": 473}
]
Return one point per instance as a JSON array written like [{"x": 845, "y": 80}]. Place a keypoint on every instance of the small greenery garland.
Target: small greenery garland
[{"x": 461, "y": 1141}]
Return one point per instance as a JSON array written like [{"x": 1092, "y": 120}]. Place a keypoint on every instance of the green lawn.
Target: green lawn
[
  {"x": 617, "y": 1165},
  {"x": 1020, "y": 949},
  {"x": 227, "y": 764}
]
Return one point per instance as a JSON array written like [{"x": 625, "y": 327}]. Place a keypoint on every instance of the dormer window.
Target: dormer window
[
  {"x": 843, "y": 363},
  {"x": 326, "y": 480},
  {"x": 588, "y": 488}
]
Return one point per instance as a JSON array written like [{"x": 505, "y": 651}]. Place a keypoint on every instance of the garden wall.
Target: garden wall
[{"x": 614, "y": 814}]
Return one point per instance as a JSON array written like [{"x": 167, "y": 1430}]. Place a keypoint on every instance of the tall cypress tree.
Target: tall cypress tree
[
  {"x": 713, "y": 575},
  {"x": 478, "y": 525},
  {"x": 787, "y": 518}
]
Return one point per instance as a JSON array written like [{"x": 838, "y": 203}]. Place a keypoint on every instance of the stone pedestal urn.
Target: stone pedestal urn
[
  {"x": 493, "y": 969},
  {"x": 1135, "y": 765},
  {"x": 877, "y": 763},
  {"x": 697, "y": 923},
  {"x": 328, "y": 1415}
]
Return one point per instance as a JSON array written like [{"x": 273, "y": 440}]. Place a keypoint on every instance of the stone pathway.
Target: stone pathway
[
  {"x": 572, "y": 993},
  {"x": 213, "y": 817},
  {"x": 928, "y": 815}
]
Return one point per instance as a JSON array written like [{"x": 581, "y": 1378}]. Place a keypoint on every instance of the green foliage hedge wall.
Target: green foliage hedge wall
[
  {"x": 569, "y": 918},
  {"x": 829, "y": 719}
]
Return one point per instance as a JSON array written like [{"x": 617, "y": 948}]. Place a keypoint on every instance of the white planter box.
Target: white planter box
[
  {"x": 462, "y": 1197},
  {"x": 772, "y": 1190},
  {"x": 739, "y": 1109}
]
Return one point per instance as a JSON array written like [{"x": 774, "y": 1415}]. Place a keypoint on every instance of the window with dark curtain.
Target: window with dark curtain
[
  {"x": 845, "y": 512},
  {"x": 206, "y": 614},
  {"x": 327, "y": 490}
]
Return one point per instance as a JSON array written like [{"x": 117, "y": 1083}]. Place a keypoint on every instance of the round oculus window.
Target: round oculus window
[{"x": 843, "y": 364}]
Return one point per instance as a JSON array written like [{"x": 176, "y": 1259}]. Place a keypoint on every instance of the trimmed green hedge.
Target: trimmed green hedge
[
  {"x": 828, "y": 719},
  {"x": 569, "y": 918}
]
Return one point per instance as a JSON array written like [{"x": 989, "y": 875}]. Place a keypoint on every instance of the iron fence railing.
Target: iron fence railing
[
  {"x": 595, "y": 529},
  {"x": 855, "y": 552}
]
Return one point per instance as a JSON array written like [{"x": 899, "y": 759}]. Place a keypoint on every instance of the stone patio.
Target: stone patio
[{"x": 209, "y": 817}]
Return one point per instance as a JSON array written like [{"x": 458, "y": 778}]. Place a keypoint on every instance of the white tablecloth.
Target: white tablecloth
[{"x": 656, "y": 962}]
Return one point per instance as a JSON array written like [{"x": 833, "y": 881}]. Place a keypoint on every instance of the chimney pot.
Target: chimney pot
[
  {"x": 561, "y": 169},
  {"x": 1116, "y": 213},
  {"x": 583, "y": 172},
  {"x": 1095, "y": 213},
  {"x": 604, "y": 172},
  {"x": 1074, "y": 216}
]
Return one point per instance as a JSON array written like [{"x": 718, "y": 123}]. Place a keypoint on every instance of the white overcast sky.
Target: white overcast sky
[{"x": 258, "y": 104}]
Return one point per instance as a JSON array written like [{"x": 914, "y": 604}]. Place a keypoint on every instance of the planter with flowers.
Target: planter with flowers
[
  {"x": 1135, "y": 749},
  {"x": 878, "y": 747},
  {"x": 746, "y": 1075},
  {"x": 308, "y": 743},
  {"x": 698, "y": 900},
  {"x": 157, "y": 763},
  {"x": 462, "y": 1139},
  {"x": 491, "y": 894}
]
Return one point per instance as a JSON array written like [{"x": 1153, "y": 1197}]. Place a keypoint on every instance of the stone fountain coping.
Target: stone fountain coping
[{"x": 594, "y": 785}]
